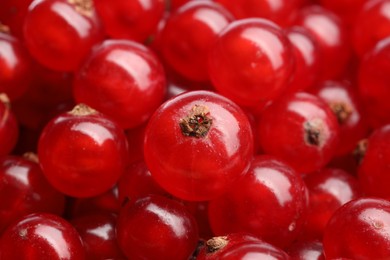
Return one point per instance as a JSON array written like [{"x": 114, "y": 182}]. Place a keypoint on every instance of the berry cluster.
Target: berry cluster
[{"x": 194, "y": 129}]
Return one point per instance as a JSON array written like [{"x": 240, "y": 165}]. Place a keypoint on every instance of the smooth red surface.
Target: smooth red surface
[
  {"x": 251, "y": 62},
  {"x": 133, "y": 20},
  {"x": 12, "y": 13},
  {"x": 97, "y": 231},
  {"x": 332, "y": 38},
  {"x": 282, "y": 130},
  {"x": 306, "y": 250},
  {"x": 82, "y": 156},
  {"x": 58, "y": 36},
  {"x": 41, "y": 236},
  {"x": 329, "y": 189},
  {"x": 188, "y": 35},
  {"x": 15, "y": 67},
  {"x": 9, "y": 129},
  {"x": 202, "y": 168},
  {"x": 270, "y": 202},
  {"x": 135, "y": 138},
  {"x": 168, "y": 227},
  {"x": 25, "y": 190},
  {"x": 347, "y": 10},
  {"x": 359, "y": 230},
  {"x": 122, "y": 79}
]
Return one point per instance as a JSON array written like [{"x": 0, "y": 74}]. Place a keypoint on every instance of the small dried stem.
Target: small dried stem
[
  {"x": 82, "y": 110},
  {"x": 216, "y": 243},
  {"x": 84, "y": 7}
]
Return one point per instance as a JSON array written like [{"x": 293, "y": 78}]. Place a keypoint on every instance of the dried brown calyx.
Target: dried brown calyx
[
  {"x": 197, "y": 123},
  {"x": 4, "y": 28},
  {"x": 32, "y": 157},
  {"x": 5, "y": 100},
  {"x": 342, "y": 111},
  {"x": 314, "y": 132},
  {"x": 82, "y": 110},
  {"x": 84, "y": 7},
  {"x": 360, "y": 150},
  {"x": 216, "y": 243}
]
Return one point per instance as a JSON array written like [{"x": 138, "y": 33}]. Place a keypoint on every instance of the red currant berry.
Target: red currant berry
[
  {"x": 359, "y": 230},
  {"x": 60, "y": 33},
  {"x": 306, "y": 250},
  {"x": 41, "y": 236},
  {"x": 9, "y": 130},
  {"x": 251, "y": 62},
  {"x": 270, "y": 202},
  {"x": 197, "y": 145},
  {"x": 82, "y": 153},
  {"x": 347, "y": 10},
  {"x": 301, "y": 130},
  {"x": 133, "y": 20},
  {"x": 122, "y": 79},
  {"x": 156, "y": 228},
  {"x": 12, "y": 13}
]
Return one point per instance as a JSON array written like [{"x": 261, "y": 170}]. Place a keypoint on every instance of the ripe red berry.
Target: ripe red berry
[
  {"x": 82, "y": 152},
  {"x": 9, "y": 130},
  {"x": 197, "y": 145}
]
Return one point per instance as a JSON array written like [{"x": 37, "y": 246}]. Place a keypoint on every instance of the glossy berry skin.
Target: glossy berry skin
[
  {"x": 122, "y": 79},
  {"x": 239, "y": 246},
  {"x": 132, "y": 20},
  {"x": 331, "y": 36},
  {"x": 329, "y": 189},
  {"x": 12, "y": 14},
  {"x": 306, "y": 250},
  {"x": 307, "y": 59},
  {"x": 41, "y": 236},
  {"x": 359, "y": 230},
  {"x": 251, "y": 62},
  {"x": 156, "y": 228},
  {"x": 270, "y": 202},
  {"x": 300, "y": 129},
  {"x": 59, "y": 34},
  {"x": 9, "y": 129},
  {"x": 373, "y": 171},
  {"x": 371, "y": 26},
  {"x": 373, "y": 84},
  {"x": 345, "y": 103},
  {"x": 71, "y": 148},
  {"x": 197, "y": 145},
  {"x": 97, "y": 231},
  {"x": 279, "y": 12},
  {"x": 24, "y": 190},
  {"x": 188, "y": 35},
  {"x": 15, "y": 67},
  {"x": 347, "y": 10}
]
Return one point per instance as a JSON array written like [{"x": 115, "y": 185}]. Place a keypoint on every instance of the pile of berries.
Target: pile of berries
[{"x": 194, "y": 129}]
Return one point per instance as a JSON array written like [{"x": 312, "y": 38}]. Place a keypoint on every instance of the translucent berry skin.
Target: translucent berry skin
[
  {"x": 71, "y": 148},
  {"x": 156, "y": 228},
  {"x": 359, "y": 230},
  {"x": 301, "y": 130},
  {"x": 329, "y": 189},
  {"x": 373, "y": 84},
  {"x": 12, "y": 14},
  {"x": 15, "y": 67},
  {"x": 372, "y": 25},
  {"x": 9, "y": 129},
  {"x": 122, "y": 79},
  {"x": 97, "y": 231},
  {"x": 306, "y": 250},
  {"x": 24, "y": 190},
  {"x": 188, "y": 35},
  {"x": 58, "y": 35},
  {"x": 270, "y": 203},
  {"x": 347, "y": 10},
  {"x": 331, "y": 36},
  {"x": 373, "y": 171},
  {"x": 198, "y": 167},
  {"x": 133, "y": 20},
  {"x": 251, "y": 62},
  {"x": 41, "y": 236}
]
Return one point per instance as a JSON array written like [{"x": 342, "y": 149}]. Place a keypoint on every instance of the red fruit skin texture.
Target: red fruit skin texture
[
  {"x": 188, "y": 35},
  {"x": 9, "y": 129},
  {"x": 331, "y": 36},
  {"x": 122, "y": 79},
  {"x": 24, "y": 190},
  {"x": 156, "y": 228},
  {"x": 41, "y": 236},
  {"x": 373, "y": 173},
  {"x": 132, "y": 20},
  {"x": 82, "y": 155},
  {"x": 373, "y": 82},
  {"x": 193, "y": 168},
  {"x": 97, "y": 231},
  {"x": 58, "y": 35},
  {"x": 284, "y": 131},
  {"x": 270, "y": 202},
  {"x": 12, "y": 14},
  {"x": 329, "y": 189},
  {"x": 359, "y": 230},
  {"x": 15, "y": 67},
  {"x": 251, "y": 62},
  {"x": 347, "y": 10},
  {"x": 306, "y": 250}
]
